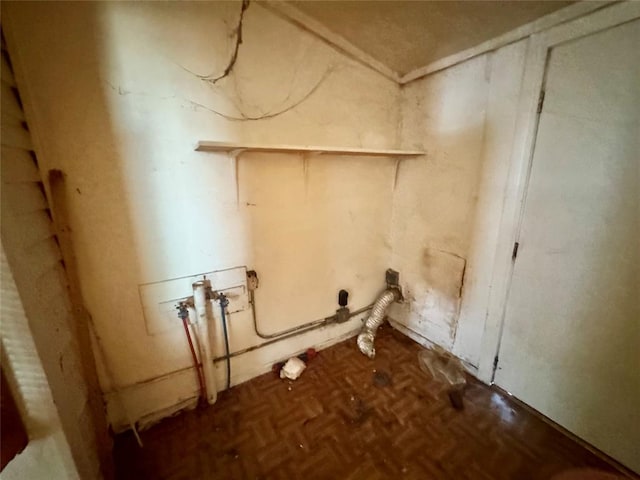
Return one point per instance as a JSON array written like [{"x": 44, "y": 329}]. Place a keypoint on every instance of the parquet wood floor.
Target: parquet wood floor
[{"x": 334, "y": 422}]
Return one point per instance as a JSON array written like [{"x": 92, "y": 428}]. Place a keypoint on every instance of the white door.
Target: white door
[{"x": 571, "y": 341}]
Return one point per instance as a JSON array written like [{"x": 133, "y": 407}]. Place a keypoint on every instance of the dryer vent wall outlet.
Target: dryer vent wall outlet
[
  {"x": 392, "y": 278},
  {"x": 252, "y": 280}
]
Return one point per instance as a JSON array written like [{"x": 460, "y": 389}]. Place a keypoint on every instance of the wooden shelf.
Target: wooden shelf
[{"x": 204, "y": 146}]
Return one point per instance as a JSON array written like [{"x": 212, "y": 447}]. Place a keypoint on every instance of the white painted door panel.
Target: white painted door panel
[{"x": 571, "y": 341}]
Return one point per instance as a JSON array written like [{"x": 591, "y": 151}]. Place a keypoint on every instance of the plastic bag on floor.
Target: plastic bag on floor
[
  {"x": 292, "y": 369},
  {"x": 447, "y": 369}
]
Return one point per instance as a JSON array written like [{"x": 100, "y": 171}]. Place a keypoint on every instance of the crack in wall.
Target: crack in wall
[
  {"x": 242, "y": 117},
  {"x": 213, "y": 80},
  {"x": 245, "y": 118},
  {"x": 234, "y": 55}
]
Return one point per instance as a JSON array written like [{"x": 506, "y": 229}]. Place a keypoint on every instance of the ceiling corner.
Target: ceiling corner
[{"x": 294, "y": 15}]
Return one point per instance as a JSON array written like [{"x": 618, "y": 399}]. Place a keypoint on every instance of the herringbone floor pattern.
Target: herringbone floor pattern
[{"x": 335, "y": 423}]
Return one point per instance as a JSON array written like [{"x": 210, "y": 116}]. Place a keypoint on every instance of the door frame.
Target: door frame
[{"x": 538, "y": 50}]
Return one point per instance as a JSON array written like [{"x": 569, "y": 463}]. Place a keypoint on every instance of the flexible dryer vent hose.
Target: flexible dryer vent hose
[{"x": 368, "y": 334}]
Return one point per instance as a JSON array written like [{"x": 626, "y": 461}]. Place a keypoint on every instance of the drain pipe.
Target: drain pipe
[
  {"x": 368, "y": 334},
  {"x": 204, "y": 339}
]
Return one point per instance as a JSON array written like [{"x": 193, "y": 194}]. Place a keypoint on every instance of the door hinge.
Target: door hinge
[
  {"x": 541, "y": 101},
  {"x": 495, "y": 363},
  {"x": 514, "y": 253}
]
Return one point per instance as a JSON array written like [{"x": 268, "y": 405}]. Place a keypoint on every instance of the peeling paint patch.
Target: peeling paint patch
[
  {"x": 462, "y": 277},
  {"x": 433, "y": 296},
  {"x": 444, "y": 271},
  {"x": 429, "y": 312}
]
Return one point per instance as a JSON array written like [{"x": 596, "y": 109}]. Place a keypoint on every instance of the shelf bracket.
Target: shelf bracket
[
  {"x": 233, "y": 155},
  {"x": 396, "y": 173},
  {"x": 306, "y": 156}
]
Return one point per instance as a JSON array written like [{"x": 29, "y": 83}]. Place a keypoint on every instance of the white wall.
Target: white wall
[
  {"x": 447, "y": 206},
  {"x": 114, "y": 106}
]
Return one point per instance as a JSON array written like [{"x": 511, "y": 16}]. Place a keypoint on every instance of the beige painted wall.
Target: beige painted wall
[
  {"x": 447, "y": 206},
  {"x": 114, "y": 106}
]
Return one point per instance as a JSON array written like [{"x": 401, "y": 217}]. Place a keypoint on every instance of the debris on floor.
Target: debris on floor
[
  {"x": 305, "y": 357},
  {"x": 293, "y": 368},
  {"x": 456, "y": 397},
  {"x": 357, "y": 412},
  {"x": 447, "y": 369},
  {"x": 309, "y": 355},
  {"x": 348, "y": 428},
  {"x": 381, "y": 378}
]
